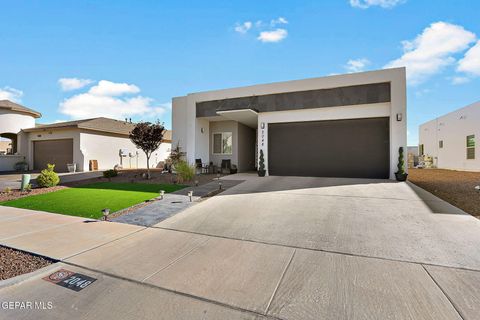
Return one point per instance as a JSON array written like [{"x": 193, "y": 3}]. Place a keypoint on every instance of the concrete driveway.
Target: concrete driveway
[{"x": 276, "y": 248}]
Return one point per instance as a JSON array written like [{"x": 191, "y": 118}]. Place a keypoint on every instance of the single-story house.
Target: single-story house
[
  {"x": 451, "y": 139},
  {"x": 80, "y": 142},
  {"x": 349, "y": 125}
]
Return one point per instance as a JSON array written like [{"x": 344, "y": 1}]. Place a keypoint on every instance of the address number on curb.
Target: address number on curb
[{"x": 69, "y": 279}]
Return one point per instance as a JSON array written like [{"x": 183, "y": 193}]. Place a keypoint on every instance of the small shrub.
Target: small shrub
[
  {"x": 185, "y": 171},
  {"x": 21, "y": 166},
  {"x": 28, "y": 187},
  {"x": 8, "y": 190},
  {"x": 110, "y": 173},
  {"x": 48, "y": 178}
]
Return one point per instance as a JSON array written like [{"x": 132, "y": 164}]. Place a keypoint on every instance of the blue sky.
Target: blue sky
[{"x": 128, "y": 58}]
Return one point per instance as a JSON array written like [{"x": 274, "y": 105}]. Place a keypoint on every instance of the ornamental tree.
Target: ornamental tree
[{"x": 148, "y": 137}]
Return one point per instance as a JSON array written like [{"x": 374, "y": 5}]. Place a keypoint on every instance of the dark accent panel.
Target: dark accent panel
[
  {"x": 57, "y": 152},
  {"x": 342, "y": 96},
  {"x": 357, "y": 148}
]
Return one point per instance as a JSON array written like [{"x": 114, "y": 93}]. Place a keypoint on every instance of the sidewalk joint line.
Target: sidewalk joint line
[
  {"x": 318, "y": 250},
  {"x": 184, "y": 294},
  {"x": 280, "y": 281},
  {"x": 177, "y": 259},
  {"x": 102, "y": 244},
  {"x": 444, "y": 293}
]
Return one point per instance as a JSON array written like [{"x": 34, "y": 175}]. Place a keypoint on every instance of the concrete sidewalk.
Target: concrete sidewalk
[{"x": 277, "y": 248}]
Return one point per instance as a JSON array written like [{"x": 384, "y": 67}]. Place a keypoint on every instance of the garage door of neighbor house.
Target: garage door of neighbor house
[
  {"x": 356, "y": 148},
  {"x": 58, "y": 152}
]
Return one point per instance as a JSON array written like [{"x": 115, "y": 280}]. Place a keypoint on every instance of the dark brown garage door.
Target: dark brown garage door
[
  {"x": 58, "y": 152},
  {"x": 357, "y": 148}
]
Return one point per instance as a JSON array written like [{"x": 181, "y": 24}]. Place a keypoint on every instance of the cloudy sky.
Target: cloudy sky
[{"x": 78, "y": 59}]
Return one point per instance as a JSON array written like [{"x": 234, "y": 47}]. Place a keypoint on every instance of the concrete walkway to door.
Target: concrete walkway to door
[{"x": 274, "y": 248}]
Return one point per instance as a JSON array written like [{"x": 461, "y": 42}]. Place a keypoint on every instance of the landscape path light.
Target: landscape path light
[
  {"x": 219, "y": 185},
  {"x": 190, "y": 194},
  {"x": 105, "y": 213},
  {"x": 162, "y": 193}
]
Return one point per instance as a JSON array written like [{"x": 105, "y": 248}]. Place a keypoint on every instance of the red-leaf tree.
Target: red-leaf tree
[{"x": 148, "y": 137}]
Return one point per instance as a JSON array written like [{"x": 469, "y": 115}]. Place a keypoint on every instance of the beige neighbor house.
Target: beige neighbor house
[{"x": 73, "y": 142}]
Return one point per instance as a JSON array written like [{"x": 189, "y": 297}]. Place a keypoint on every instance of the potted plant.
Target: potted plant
[
  {"x": 401, "y": 175},
  {"x": 261, "y": 165}
]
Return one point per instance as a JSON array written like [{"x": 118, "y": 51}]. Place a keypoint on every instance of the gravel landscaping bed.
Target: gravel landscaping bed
[
  {"x": 157, "y": 177},
  {"x": 455, "y": 187},
  {"x": 16, "y": 194},
  {"x": 14, "y": 263}
]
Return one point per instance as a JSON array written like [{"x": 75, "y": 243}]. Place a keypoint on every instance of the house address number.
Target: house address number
[{"x": 69, "y": 279}]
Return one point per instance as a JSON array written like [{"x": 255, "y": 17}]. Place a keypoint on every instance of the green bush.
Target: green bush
[
  {"x": 110, "y": 173},
  {"x": 48, "y": 178},
  {"x": 185, "y": 171},
  {"x": 21, "y": 166}
]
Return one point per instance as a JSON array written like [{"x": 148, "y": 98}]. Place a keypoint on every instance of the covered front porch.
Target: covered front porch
[{"x": 227, "y": 141}]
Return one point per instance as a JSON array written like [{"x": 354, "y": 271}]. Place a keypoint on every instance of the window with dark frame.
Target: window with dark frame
[
  {"x": 222, "y": 143},
  {"x": 471, "y": 147}
]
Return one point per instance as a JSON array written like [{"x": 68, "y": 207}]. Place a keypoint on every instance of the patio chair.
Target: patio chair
[
  {"x": 200, "y": 166},
  {"x": 226, "y": 166}
]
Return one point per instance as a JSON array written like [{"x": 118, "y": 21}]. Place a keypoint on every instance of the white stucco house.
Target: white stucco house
[
  {"x": 349, "y": 125},
  {"x": 81, "y": 142},
  {"x": 451, "y": 139}
]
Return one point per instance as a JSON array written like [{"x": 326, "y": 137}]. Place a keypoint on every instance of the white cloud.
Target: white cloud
[
  {"x": 365, "y": 4},
  {"x": 12, "y": 94},
  {"x": 279, "y": 20},
  {"x": 357, "y": 65},
  {"x": 244, "y": 27},
  {"x": 432, "y": 50},
  {"x": 460, "y": 80},
  {"x": 68, "y": 84},
  {"x": 471, "y": 61},
  {"x": 108, "y": 88},
  {"x": 273, "y": 36},
  {"x": 112, "y": 100}
]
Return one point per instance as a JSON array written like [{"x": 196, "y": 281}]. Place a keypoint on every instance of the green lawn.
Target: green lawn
[{"x": 88, "y": 200}]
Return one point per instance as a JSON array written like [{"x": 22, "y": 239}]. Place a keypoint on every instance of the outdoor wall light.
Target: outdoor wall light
[
  {"x": 190, "y": 194},
  {"x": 262, "y": 125},
  {"x": 162, "y": 193},
  {"x": 202, "y": 130},
  {"x": 399, "y": 117},
  {"x": 105, "y": 213}
]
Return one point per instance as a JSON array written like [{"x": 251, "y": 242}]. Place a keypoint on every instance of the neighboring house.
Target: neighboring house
[
  {"x": 451, "y": 140},
  {"x": 412, "y": 156},
  {"x": 101, "y": 139},
  {"x": 348, "y": 125}
]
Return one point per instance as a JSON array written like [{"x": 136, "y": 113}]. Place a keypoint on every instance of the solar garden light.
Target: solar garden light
[
  {"x": 190, "y": 194},
  {"x": 162, "y": 193},
  {"x": 105, "y": 213},
  {"x": 219, "y": 185}
]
